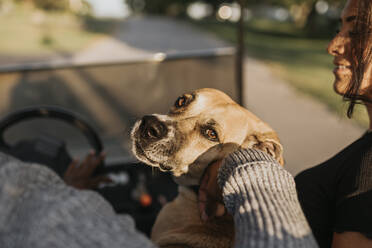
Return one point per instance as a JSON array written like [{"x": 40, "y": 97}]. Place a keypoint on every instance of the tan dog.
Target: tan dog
[{"x": 201, "y": 127}]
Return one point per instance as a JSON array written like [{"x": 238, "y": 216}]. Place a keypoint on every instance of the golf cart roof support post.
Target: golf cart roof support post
[{"x": 239, "y": 74}]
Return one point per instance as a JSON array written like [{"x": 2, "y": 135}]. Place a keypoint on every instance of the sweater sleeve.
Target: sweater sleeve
[
  {"x": 262, "y": 198},
  {"x": 38, "y": 210}
]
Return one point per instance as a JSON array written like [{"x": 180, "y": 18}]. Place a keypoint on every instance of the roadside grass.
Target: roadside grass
[
  {"x": 301, "y": 61},
  {"x": 28, "y": 32}
]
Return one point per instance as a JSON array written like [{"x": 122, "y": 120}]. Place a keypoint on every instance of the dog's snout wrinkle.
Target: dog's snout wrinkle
[{"x": 151, "y": 127}]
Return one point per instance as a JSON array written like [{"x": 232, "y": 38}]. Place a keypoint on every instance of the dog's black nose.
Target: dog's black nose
[{"x": 151, "y": 127}]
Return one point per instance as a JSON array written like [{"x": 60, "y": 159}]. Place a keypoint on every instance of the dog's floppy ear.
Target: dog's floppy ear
[{"x": 267, "y": 142}]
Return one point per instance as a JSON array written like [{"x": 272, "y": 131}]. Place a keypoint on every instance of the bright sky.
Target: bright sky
[{"x": 109, "y": 8}]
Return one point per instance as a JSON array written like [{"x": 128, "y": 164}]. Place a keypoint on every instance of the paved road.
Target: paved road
[{"x": 141, "y": 37}]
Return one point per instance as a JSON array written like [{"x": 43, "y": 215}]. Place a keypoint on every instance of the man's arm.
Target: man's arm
[{"x": 37, "y": 209}]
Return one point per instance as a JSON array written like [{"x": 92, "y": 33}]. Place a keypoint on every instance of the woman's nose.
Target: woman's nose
[{"x": 336, "y": 46}]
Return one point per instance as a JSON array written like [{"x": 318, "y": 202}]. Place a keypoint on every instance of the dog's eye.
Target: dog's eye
[
  {"x": 180, "y": 102},
  {"x": 211, "y": 134}
]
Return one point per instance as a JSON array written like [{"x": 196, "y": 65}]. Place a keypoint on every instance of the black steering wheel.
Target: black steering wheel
[{"x": 30, "y": 151}]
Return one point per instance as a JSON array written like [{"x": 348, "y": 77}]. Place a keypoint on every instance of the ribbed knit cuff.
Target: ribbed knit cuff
[
  {"x": 261, "y": 195},
  {"x": 240, "y": 157}
]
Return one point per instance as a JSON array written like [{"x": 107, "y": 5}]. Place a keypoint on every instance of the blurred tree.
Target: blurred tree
[
  {"x": 302, "y": 10},
  {"x": 52, "y": 5},
  {"x": 216, "y": 3},
  {"x": 162, "y": 7},
  {"x": 80, "y": 7}
]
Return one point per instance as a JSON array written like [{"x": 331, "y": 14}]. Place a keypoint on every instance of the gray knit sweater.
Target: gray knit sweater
[
  {"x": 262, "y": 198},
  {"x": 38, "y": 210}
]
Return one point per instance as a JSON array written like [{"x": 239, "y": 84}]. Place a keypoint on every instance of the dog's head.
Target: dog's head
[{"x": 201, "y": 127}]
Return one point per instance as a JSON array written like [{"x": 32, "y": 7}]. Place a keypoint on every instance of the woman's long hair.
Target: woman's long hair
[{"x": 361, "y": 47}]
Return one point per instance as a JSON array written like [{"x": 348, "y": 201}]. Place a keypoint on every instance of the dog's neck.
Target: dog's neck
[
  {"x": 190, "y": 192},
  {"x": 187, "y": 180}
]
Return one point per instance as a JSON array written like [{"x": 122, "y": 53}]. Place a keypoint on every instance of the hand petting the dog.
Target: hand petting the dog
[
  {"x": 80, "y": 176},
  {"x": 210, "y": 200}
]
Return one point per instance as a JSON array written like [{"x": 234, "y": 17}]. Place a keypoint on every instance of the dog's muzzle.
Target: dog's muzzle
[
  {"x": 152, "y": 129},
  {"x": 151, "y": 143}
]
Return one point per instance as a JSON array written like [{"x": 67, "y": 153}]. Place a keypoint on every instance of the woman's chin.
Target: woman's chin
[{"x": 340, "y": 87}]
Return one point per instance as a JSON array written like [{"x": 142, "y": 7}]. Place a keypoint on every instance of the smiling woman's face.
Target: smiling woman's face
[{"x": 340, "y": 47}]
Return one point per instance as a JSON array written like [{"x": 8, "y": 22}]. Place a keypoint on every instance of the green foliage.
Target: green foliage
[
  {"x": 216, "y": 3},
  {"x": 47, "y": 40},
  {"x": 47, "y": 5},
  {"x": 166, "y": 7},
  {"x": 288, "y": 3},
  {"x": 94, "y": 25},
  {"x": 178, "y": 7},
  {"x": 52, "y": 5}
]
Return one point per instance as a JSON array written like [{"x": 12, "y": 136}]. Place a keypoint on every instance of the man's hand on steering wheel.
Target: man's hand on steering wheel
[
  {"x": 210, "y": 200},
  {"x": 80, "y": 175}
]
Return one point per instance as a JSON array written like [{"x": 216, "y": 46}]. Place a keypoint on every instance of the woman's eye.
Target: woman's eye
[
  {"x": 181, "y": 101},
  {"x": 211, "y": 134}
]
